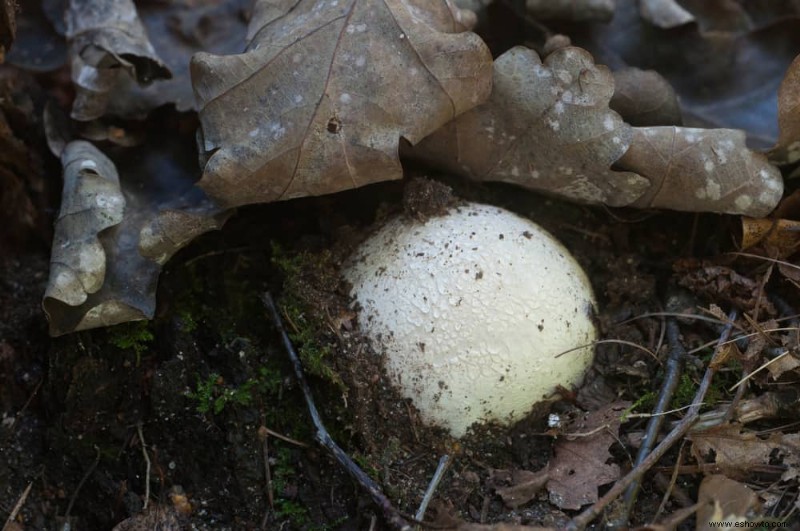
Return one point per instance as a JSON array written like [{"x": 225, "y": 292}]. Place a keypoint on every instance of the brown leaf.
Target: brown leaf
[
  {"x": 644, "y": 98},
  {"x": 8, "y": 26},
  {"x": 112, "y": 259},
  {"x": 739, "y": 454},
  {"x": 545, "y": 127},
  {"x": 787, "y": 150},
  {"x": 107, "y": 41},
  {"x": 780, "y": 236},
  {"x": 323, "y": 93},
  {"x": 724, "y": 499},
  {"x": 525, "y": 485},
  {"x": 702, "y": 170},
  {"x": 722, "y": 284},
  {"x": 580, "y": 466}
]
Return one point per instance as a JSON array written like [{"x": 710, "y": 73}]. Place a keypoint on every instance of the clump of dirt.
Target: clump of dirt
[{"x": 425, "y": 198}]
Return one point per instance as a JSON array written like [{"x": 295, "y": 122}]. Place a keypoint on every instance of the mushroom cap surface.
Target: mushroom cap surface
[{"x": 471, "y": 310}]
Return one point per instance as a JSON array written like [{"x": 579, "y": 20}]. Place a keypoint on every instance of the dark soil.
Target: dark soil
[
  {"x": 195, "y": 421},
  {"x": 207, "y": 386}
]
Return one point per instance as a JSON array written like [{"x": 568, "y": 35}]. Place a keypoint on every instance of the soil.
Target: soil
[
  {"x": 207, "y": 388},
  {"x": 195, "y": 420}
]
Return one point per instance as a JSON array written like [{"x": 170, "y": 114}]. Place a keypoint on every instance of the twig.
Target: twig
[
  {"x": 81, "y": 483},
  {"x": 444, "y": 464},
  {"x": 18, "y": 506},
  {"x": 392, "y": 515},
  {"x": 677, "y": 353},
  {"x": 669, "y": 487},
  {"x": 24, "y": 407},
  {"x": 582, "y": 520},
  {"x": 147, "y": 466},
  {"x": 263, "y": 432},
  {"x": 283, "y": 437}
]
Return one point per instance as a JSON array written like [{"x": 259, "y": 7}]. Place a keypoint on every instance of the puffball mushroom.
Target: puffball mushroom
[{"x": 475, "y": 311}]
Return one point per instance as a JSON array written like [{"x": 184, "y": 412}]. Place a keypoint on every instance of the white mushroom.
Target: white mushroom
[{"x": 472, "y": 310}]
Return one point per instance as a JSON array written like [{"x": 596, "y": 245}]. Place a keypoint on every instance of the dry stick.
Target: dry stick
[
  {"x": 677, "y": 353},
  {"x": 393, "y": 517},
  {"x": 146, "y": 467},
  {"x": 18, "y": 506},
  {"x": 268, "y": 478},
  {"x": 80, "y": 486},
  {"x": 444, "y": 463},
  {"x": 582, "y": 520}
]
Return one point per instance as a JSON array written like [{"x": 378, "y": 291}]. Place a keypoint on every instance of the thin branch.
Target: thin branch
[
  {"x": 81, "y": 483},
  {"x": 392, "y": 515},
  {"x": 17, "y": 507},
  {"x": 677, "y": 353},
  {"x": 146, "y": 468},
  {"x": 582, "y": 520},
  {"x": 444, "y": 464}
]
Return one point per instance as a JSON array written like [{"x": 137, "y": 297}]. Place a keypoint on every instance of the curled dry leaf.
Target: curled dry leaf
[
  {"x": 779, "y": 237},
  {"x": 91, "y": 202},
  {"x": 787, "y": 150},
  {"x": 107, "y": 42},
  {"x": 702, "y": 170},
  {"x": 105, "y": 265},
  {"x": 723, "y": 499},
  {"x": 546, "y": 126},
  {"x": 323, "y": 93}
]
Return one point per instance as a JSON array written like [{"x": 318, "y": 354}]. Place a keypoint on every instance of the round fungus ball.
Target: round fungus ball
[{"x": 475, "y": 311}]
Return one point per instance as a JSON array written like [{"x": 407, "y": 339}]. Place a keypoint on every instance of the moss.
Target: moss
[
  {"x": 213, "y": 395},
  {"x": 283, "y": 475},
  {"x": 687, "y": 389},
  {"x": 646, "y": 402},
  {"x": 305, "y": 317},
  {"x": 136, "y": 336}
]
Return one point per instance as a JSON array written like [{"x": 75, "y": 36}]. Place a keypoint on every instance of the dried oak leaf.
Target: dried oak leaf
[
  {"x": 725, "y": 78},
  {"x": 107, "y": 42},
  {"x": 106, "y": 259},
  {"x": 723, "y": 499},
  {"x": 702, "y": 170},
  {"x": 739, "y": 453},
  {"x": 546, "y": 126},
  {"x": 319, "y": 100},
  {"x": 91, "y": 202},
  {"x": 787, "y": 150},
  {"x": 581, "y": 461}
]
